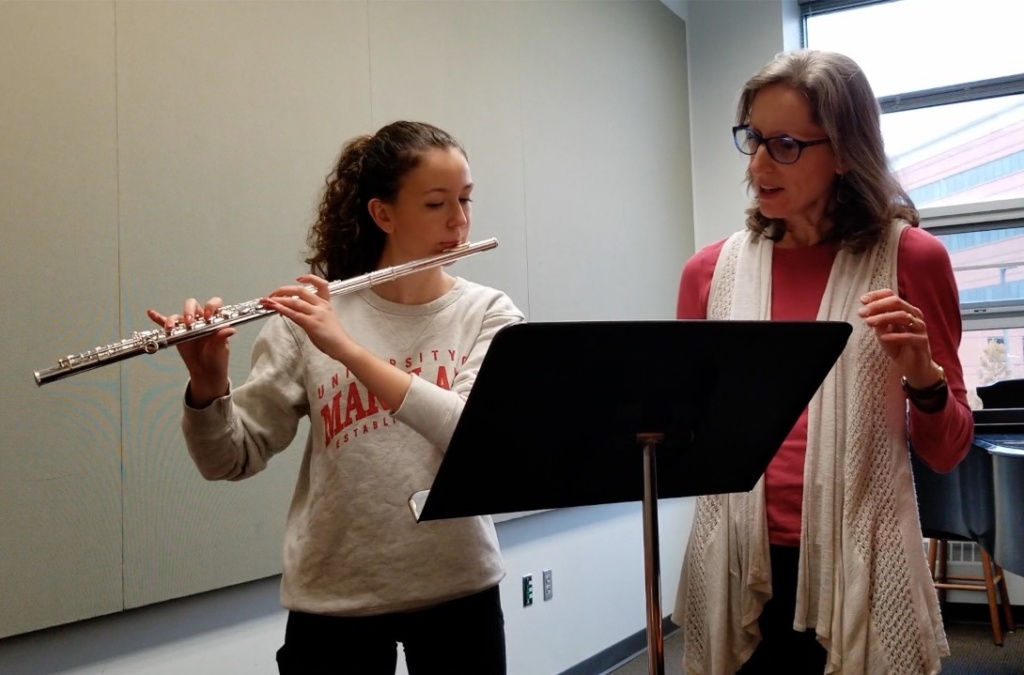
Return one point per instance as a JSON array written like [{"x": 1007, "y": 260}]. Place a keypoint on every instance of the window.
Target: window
[{"x": 950, "y": 82}]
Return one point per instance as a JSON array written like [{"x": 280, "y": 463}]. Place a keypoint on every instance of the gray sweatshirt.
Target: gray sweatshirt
[{"x": 352, "y": 546}]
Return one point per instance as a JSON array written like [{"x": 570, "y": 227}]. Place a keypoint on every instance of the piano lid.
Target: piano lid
[{"x": 1002, "y": 394}]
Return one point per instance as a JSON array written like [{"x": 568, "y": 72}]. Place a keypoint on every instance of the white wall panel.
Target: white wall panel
[
  {"x": 60, "y": 501},
  {"x": 230, "y": 116},
  {"x": 605, "y": 129},
  {"x": 457, "y": 65}
]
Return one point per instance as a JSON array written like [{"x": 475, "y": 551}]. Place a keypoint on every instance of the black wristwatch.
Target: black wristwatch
[{"x": 930, "y": 398}]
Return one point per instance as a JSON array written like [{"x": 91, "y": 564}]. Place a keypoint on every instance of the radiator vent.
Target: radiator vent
[{"x": 959, "y": 551}]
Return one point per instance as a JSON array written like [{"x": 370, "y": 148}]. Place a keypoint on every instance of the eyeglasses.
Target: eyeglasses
[{"x": 783, "y": 149}]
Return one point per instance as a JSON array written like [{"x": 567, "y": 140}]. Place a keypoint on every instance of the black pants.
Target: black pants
[
  {"x": 782, "y": 649},
  {"x": 462, "y": 636}
]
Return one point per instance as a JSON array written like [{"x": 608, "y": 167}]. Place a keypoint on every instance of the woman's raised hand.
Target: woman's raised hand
[{"x": 902, "y": 332}]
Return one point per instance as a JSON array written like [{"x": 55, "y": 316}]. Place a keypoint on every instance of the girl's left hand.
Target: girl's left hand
[
  {"x": 903, "y": 334},
  {"x": 313, "y": 312}
]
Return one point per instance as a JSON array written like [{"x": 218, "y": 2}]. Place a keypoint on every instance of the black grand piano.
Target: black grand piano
[
  {"x": 982, "y": 500},
  {"x": 999, "y": 431}
]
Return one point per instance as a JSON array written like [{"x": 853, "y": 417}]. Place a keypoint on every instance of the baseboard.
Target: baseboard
[{"x": 617, "y": 654}]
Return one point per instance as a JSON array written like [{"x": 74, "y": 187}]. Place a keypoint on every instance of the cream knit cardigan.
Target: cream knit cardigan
[{"x": 864, "y": 584}]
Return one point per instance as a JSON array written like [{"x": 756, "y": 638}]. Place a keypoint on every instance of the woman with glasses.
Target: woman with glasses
[{"x": 821, "y": 567}]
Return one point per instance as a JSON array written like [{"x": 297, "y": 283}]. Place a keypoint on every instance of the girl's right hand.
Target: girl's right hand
[{"x": 207, "y": 357}]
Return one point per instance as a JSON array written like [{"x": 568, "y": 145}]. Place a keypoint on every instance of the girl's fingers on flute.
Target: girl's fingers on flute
[
  {"x": 212, "y": 306},
  {"x": 166, "y": 322},
  {"x": 290, "y": 303},
  {"x": 321, "y": 285},
  {"x": 158, "y": 318},
  {"x": 189, "y": 312},
  {"x": 301, "y": 292}
]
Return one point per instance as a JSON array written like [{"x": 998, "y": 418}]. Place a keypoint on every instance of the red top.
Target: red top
[{"x": 799, "y": 275}]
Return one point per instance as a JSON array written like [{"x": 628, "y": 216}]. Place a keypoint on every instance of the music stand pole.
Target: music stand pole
[{"x": 652, "y": 556}]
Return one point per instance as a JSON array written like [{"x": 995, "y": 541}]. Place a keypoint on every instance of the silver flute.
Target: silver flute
[{"x": 152, "y": 341}]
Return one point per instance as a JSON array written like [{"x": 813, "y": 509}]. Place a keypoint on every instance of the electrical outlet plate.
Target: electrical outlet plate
[{"x": 549, "y": 590}]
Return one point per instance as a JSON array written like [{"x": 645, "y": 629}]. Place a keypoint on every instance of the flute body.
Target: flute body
[{"x": 152, "y": 341}]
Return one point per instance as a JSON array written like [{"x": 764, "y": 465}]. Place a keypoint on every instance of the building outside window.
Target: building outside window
[{"x": 949, "y": 76}]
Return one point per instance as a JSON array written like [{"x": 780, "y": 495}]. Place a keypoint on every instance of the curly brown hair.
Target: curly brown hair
[
  {"x": 867, "y": 197},
  {"x": 345, "y": 241}
]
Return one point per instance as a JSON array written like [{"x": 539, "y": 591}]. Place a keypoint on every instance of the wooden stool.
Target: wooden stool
[{"x": 991, "y": 579}]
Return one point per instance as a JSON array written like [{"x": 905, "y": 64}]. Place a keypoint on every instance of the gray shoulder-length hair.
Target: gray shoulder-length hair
[{"x": 867, "y": 196}]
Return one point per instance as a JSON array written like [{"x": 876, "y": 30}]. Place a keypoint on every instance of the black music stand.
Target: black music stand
[{"x": 709, "y": 401}]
